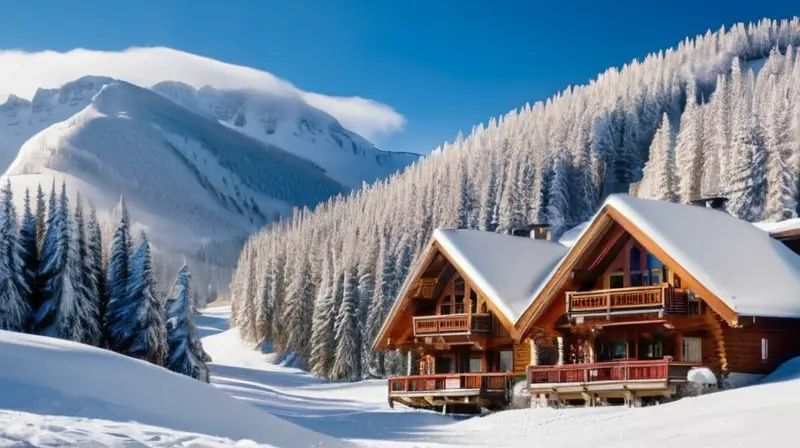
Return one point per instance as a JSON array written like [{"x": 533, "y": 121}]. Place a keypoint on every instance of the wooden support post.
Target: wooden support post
[
  {"x": 409, "y": 360},
  {"x": 560, "y": 351},
  {"x": 534, "y": 353}
]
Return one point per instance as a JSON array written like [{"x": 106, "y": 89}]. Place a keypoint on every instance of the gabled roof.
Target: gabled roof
[
  {"x": 731, "y": 263},
  {"x": 506, "y": 269},
  {"x": 782, "y": 229}
]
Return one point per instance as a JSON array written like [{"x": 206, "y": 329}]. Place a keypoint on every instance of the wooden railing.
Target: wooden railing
[
  {"x": 603, "y": 371},
  {"x": 488, "y": 382},
  {"x": 616, "y": 299},
  {"x": 452, "y": 323}
]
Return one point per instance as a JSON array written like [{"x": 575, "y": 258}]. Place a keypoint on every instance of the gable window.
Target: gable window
[
  {"x": 692, "y": 350},
  {"x": 473, "y": 302},
  {"x": 764, "y": 349},
  {"x": 459, "y": 307}
]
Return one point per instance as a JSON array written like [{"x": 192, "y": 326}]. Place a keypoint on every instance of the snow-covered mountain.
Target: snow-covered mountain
[
  {"x": 286, "y": 121},
  {"x": 187, "y": 179}
]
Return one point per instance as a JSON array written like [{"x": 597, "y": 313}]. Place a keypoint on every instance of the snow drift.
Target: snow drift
[{"x": 53, "y": 377}]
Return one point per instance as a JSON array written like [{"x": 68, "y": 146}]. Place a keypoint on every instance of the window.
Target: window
[
  {"x": 764, "y": 349},
  {"x": 616, "y": 280},
  {"x": 473, "y": 302},
  {"x": 506, "y": 361},
  {"x": 692, "y": 350},
  {"x": 655, "y": 277},
  {"x": 475, "y": 365},
  {"x": 460, "y": 304},
  {"x": 636, "y": 258},
  {"x": 445, "y": 309}
]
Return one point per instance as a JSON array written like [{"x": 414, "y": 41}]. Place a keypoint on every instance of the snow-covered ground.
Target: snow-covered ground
[
  {"x": 763, "y": 414},
  {"x": 57, "y": 393}
]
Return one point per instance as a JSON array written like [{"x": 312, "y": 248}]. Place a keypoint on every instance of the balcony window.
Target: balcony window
[
  {"x": 445, "y": 309},
  {"x": 473, "y": 302},
  {"x": 692, "y": 350},
  {"x": 616, "y": 280},
  {"x": 459, "y": 307}
]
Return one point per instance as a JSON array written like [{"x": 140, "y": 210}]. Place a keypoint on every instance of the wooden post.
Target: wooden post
[
  {"x": 409, "y": 360},
  {"x": 560, "y": 351},
  {"x": 534, "y": 353}
]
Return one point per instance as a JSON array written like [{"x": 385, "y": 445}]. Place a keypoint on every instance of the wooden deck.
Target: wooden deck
[
  {"x": 491, "y": 390},
  {"x": 618, "y": 379}
]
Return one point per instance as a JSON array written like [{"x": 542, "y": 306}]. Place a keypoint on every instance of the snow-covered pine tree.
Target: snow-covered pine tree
[
  {"x": 660, "y": 174},
  {"x": 51, "y": 267},
  {"x": 41, "y": 218},
  {"x": 748, "y": 189},
  {"x": 97, "y": 272},
  {"x": 15, "y": 311},
  {"x": 29, "y": 253},
  {"x": 186, "y": 354},
  {"x": 558, "y": 190},
  {"x": 322, "y": 337},
  {"x": 689, "y": 148},
  {"x": 140, "y": 331},
  {"x": 366, "y": 290},
  {"x": 83, "y": 279},
  {"x": 118, "y": 279},
  {"x": 782, "y": 187},
  {"x": 489, "y": 200},
  {"x": 346, "y": 364},
  {"x": 299, "y": 307},
  {"x": 277, "y": 294},
  {"x": 382, "y": 299},
  {"x": 467, "y": 203}
]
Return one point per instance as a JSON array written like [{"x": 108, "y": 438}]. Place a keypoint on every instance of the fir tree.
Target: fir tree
[
  {"x": 141, "y": 331},
  {"x": 660, "y": 174},
  {"x": 29, "y": 254},
  {"x": 15, "y": 311},
  {"x": 186, "y": 354},
  {"x": 41, "y": 218},
  {"x": 689, "y": 149},
  {"x": 298, "y": 308},
  {"x": 51, "y": 270},
  {"x": 97, "y": 272},
  {"x": 558, "y": 190},
  {"x": 83, "y": 279},
  {"x": 118, "y": 278},
  {"x": 346, "y": 363},
  {"x": 322, "y": 336}
]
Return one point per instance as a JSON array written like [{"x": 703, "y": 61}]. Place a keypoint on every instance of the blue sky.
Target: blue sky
[{"x": 444, "y": 65}]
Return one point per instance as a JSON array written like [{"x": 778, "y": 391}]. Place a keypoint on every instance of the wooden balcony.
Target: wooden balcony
[
  {"x": 452, "y": 324},
  {"x": 459, "y": 392},
  {"x": 614, "y": 379},
  {"x": 619, "y": 299}
]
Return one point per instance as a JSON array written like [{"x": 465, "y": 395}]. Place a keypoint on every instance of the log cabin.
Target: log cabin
[
  {"x": 653, "y": 292},
  {"x": 456, "y": 312}
]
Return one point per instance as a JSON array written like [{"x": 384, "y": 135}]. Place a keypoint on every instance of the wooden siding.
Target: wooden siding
[{"x": 522, "y": 357}]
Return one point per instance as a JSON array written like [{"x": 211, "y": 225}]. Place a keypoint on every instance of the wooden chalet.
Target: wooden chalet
[
  {"x": 654, "y": 292},
  {"x": 455, "y": 316}
]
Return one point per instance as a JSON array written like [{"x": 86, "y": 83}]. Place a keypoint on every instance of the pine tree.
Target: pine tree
[
  {"x": 660, "y": 174},
  {"x": 298, "y": 308},
  {"x": 41, "y": 218},
  {"x": 15, "y": 311},
  {"x": 118, "y": 278},
  {"x": 322, "y": 336},
  {"x": 48, "y": 318},
  {"x": 489, "y": 202},
  {"x": 186, "y": 354},
  {"x": 558, "y": 193},
  {"x": 141, "y": 332},
  {"x": 381, "y": 300},
  {"x": 782, "y": 188},
  {"x": 346, "y": 363},
  {"x": 97, "y": 273},
  {"x": 689, "y": 149},
  {"x": 29, "y": 253},
  {"x": 748, "y": 189},
  {"x": 83, "y": 279}
]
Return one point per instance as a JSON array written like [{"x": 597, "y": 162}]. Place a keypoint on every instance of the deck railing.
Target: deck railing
[
  {"x": 486, "y": 382},
  {"x": 616, "y": 299},
  {"x": 603, "y": 371},
  {"x": 452, "y": 323}
]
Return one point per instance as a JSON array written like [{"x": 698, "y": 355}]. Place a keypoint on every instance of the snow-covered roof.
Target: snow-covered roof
[
  {"x": 752, "y": 273},
  {"x": 569, "y": 237},
  {"x": 509, "y": 269},
  {"x": 780, "y": 226}
]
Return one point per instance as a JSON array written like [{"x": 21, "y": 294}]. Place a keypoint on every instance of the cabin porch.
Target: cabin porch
[
  {"x": 616, "y": 361},
  {"x": 458, "y": 392}
]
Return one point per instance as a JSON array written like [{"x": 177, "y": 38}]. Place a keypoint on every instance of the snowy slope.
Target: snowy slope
[
  {"x": 759, "y": 415},
  {"x": 58, "y": 390},
  {"x": 290, "y": 123},
  {"x": 187, "y": 178}
]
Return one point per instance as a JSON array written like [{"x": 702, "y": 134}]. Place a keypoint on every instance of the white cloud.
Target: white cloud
[{"x": 21, "y": 73}]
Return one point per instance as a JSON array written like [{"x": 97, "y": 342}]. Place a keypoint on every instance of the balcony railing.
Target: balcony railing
[
  {"x": 443, "y": 383},
  {"x": 617, "y": 299},
  {"x": 658, "y": 369},
  {"x": 452, "y": 324}
]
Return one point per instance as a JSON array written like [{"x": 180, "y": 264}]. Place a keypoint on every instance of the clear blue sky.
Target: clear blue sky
[{"x": 444, "y": 65}]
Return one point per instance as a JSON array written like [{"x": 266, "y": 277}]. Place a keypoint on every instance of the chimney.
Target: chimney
[
  {"x": 535, "y": 231},
  {"x": 713, "y": 202}
]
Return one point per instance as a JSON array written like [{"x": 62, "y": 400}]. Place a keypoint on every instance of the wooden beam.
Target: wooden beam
[{"x": 610, "y": 243}]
